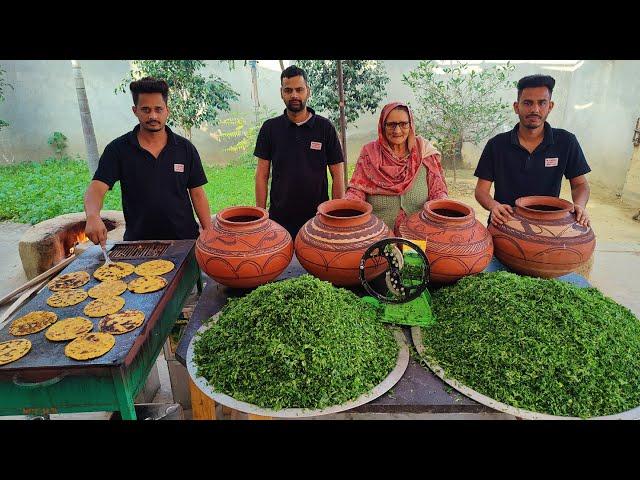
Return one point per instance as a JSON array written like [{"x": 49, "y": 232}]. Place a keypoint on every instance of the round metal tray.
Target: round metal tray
[
  {"x": 416, "y": 336},
  {"x": 226, "y": 400}
]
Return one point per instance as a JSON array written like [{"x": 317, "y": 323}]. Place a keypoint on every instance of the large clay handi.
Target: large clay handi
[
  {"x": 245, "y": 248},
  {"x": 457, "y": 244},
  {"x": 543, "y": 239},
  {"x": 331, "y": 244}
]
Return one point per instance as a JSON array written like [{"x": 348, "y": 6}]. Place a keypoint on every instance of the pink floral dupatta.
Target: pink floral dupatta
[{"x": 380, "y": 172}]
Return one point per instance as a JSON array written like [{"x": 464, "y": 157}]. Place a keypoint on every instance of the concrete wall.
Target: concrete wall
[
  {"x": 599, "y": 101},
  {"x": 631, "y": 190},
  {"x": 602, "y": 109},
  {"x": 44, "y": 100}
]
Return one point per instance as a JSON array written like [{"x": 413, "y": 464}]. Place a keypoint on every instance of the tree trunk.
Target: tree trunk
[
  {"x": 457, "y": 156},
  {"x": 281, "y": 65},
  {"x": 343, "y": 123},
  {"x": 85, "y": 119},
  {"x": 254, "y": 85}
]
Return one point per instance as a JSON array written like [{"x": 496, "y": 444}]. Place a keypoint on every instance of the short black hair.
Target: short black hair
[
  {"x": 293, "y": 71},
  {"x": 149, "y": 85},
  {"x": 537, "y": 80}
]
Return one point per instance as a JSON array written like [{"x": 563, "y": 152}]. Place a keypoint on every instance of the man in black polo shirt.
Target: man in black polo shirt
[
  {"x": 297, "y": 146},
  {"x": 532, "y": 158},
  {"x": 160, "y": 174}
]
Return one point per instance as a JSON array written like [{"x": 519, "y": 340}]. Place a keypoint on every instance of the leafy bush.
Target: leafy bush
[
  {"x": 58, "y": 141},
  {"x": 244, "y": 131}
]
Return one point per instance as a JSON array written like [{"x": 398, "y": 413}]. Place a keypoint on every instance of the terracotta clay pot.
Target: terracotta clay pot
[
  {"x": 245, "y": 248},
  {"x": 543, "y": 239},
  {"x": 331, "y": 244},
  {"x": 457, "y": 244}
]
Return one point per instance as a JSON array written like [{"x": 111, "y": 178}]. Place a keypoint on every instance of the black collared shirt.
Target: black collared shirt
[
  {"x": 155, "y": 196},
  {"x": 518, "y": 173},
  {"x": 299, "y": 155}
]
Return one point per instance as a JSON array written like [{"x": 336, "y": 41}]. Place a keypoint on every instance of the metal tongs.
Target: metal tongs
[{"x": 107, "y": 260}]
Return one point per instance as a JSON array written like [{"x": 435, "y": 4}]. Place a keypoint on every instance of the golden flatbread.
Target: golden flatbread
[
  {"x": 103, "y": 306},
  {"x": 68, "y": 329},
  {"x": 113, "y": 271},
  {"x": 66, "y": 298},
  {"x": 90, "y": 345},
  {"x": 110, "y": 288},
  {"x": 154, "y": 267},
  {"x": 68, "y": 281},
  {"x": 32, "y": 322},
  {"x": 146, "y": 284},
  {"x": 13, "y": 350},
  {"x": 121, "y": 322}
]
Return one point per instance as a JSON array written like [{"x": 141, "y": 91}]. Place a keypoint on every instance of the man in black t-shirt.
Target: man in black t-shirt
[
  {"x": 160, "y": 173},
  {"x": 532, "y": 158},
  {"x": 297, "y": 147}
]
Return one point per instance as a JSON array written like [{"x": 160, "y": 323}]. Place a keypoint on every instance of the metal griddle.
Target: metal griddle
[{"x": 45, "y": 354}]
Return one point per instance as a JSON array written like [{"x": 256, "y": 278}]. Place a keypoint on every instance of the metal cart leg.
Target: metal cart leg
[{"x": 125, "y": 398}]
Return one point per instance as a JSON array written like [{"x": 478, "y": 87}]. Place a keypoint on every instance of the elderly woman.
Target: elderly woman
[{"x": 398, "y": 172}]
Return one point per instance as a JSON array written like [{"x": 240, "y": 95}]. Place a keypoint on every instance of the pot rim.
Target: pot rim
[
  {"x": 564, "y": 206},
  {"x": 330, "y": 205},
  {"x": 223, "y": 216},
  {"x": 467, "y": 210}
]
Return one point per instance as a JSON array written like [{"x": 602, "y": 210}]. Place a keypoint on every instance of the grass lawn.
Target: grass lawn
[{"x": 32, "y": 192}]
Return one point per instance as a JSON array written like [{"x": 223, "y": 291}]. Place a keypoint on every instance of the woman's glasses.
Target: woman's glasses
[{"x": 392, "y": 125}]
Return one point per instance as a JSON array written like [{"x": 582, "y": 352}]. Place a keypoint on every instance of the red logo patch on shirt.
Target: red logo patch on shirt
[
  {"x": 316, "y": 145},
  {"x": 178, "y": 167},
  {"x": 551, "y": 162}
]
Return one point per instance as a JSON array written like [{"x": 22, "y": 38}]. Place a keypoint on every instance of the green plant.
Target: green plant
[
  {"x": 296, "y": 343},
  {"x": 243, "y": 129},
  {"x": 543, "y": 345},
  {"x": 30, "y": 191},
  {"x": 193, "y": 98},
  {"x": 457, "y": 104},
  {"x": 3, "y": 85},
  {"x": 364, "y": 86},
  {"x": 59, "y": 143}
]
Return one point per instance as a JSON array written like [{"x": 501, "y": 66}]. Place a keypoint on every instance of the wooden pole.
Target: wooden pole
[{"x": 343, "y": 123}]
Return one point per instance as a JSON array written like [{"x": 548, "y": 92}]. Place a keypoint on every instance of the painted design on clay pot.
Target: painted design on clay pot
[
  {"x": 543, "y": 239},
  {"x": 331, "y": 244},
  {"x": 245, "y": 248},
  {"x": 457, "y": 244}
]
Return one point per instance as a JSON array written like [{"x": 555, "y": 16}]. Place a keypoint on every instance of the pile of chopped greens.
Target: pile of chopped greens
[
  {"x": 541, "y": 345},
  {"x": 297, "y": 343}
]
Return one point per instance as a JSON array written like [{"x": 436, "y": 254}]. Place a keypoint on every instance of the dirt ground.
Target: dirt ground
[{"x": 611, "y": 218}]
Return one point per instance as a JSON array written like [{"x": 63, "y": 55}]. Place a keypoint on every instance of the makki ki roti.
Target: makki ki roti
[
  {"x": 154, "y": 268},
  {"x": 69, "y": 281},
  {"x": 68, "y": 329},
  {"x": 147, "y": 284},
  {"x": 90, "y": 345},
  {"x": 13, "y": 350},
  {"x": 103, "y": 306},
  {"x": 121, "y": 322},
  {"x": 113, "y": 271},
  {"x": 32, "y": 322},
  {"x": 108, "y": 288},
  {"x": 66, "y": 298}
]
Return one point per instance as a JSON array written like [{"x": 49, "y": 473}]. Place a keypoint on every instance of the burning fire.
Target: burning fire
[{"x": 80, "y": 238}]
